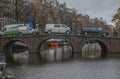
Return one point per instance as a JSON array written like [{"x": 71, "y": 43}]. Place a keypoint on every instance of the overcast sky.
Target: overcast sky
[{"x": 95, "y": 8}]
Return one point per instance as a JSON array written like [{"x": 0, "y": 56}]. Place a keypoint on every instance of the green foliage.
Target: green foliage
[{"x": 116, "y": 19}]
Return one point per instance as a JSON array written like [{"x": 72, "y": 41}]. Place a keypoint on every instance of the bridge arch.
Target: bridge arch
[
  {"x": 54, "y": 39},
  {"x": 8, "y": 49},
  {"x": 103, "y": 45},
  {"x": 44, "y": 40}
]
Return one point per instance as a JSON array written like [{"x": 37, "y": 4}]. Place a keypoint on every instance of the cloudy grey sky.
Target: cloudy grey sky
[{"x": 95, "y": 8}]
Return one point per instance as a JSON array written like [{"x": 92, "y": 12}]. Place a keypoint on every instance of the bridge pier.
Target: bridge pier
[
  {"x": 113, "y": 55},
  {"x": 77, "y": 55},
  {"x": 34, "y": 58},
  {"x": 8, "y": 54}
]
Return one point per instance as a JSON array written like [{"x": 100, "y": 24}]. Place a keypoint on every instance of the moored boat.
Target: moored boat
[{"x": 3, "y": 73}]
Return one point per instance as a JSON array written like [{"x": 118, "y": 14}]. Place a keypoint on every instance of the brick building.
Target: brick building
[{"x": 7, "y": 12}]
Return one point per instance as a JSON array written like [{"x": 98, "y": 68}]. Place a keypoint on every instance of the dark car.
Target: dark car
[
  {"x": 93, "y": 30},
  {"x": 115, "y": 34}
]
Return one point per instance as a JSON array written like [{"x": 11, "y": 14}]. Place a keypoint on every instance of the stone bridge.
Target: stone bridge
[{"x": 109, "y": 45}]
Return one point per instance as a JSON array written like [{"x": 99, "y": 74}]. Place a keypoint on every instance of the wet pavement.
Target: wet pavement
[{"x": 73, "y": 69}]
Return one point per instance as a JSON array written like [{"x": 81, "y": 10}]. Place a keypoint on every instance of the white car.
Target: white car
[{"x": 27, "y": 31}]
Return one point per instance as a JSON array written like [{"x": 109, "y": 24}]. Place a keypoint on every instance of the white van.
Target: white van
[
  {"x": 57, "y": 28},
  {"x": 12, "y": 29},
  {"x": 18, "y": 29}
]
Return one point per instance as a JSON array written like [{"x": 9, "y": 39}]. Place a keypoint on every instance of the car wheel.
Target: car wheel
[
  {"x": 34, "y": 33},
  {"x": 86, "y": 33},
  {"x": 21, "y": 34},
  {"x": 68, "y": 32},
  {"x": 49, "y": 32},
  {"x": 104, "y": 34}
]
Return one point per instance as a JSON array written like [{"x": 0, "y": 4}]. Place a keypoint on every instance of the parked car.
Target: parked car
[
  {"x": 10, "y": 30},
  {"x": 93, "y": 30},
  {"x": 27, "y": 31},
  {"x": 115, "y": 34},
  {"x": 18, "y": 29},
  {"x": 57, "y": 28}
]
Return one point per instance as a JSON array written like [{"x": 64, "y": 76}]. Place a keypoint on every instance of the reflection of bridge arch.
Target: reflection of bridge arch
[
  {"x": 102, "y": 44},
  {"x": 7, "y": 49},
  {"x": 43, "y": 41},
  {"x": 55, "y": 49}
]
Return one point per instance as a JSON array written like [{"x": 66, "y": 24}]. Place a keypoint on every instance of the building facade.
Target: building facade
[{"x": 7, "y": 12}]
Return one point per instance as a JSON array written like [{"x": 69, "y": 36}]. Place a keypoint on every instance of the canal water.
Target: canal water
[
  {"x": 91, "y": 67},
  {"x": 74, "y": 69},
  {"x": 58, "y": 51}
]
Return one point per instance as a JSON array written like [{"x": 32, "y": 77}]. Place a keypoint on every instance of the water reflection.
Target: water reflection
[
  {"x": 20, "y": 53},
  {"x": 91, "y": 50},
  {"x": 21, "y": 57},
  {"x": 76, "y": 69},
  {"x": 56, "y": 50}
]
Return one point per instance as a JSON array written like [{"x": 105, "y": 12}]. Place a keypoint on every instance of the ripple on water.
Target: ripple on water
[{"x": 76, "y": 69}]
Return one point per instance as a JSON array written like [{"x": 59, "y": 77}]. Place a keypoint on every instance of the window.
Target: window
[
  {"x": 57, "y": 26},
  {"x": 20, "y": 25},
  {"x": 100, "y": 29},
  {"x": 63, "y": 26},
  {"x": 4, "y": 29},
  {"x": 29, "y": 28}
]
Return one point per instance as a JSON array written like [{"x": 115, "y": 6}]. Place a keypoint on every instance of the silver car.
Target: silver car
[{"x": 27, "y": 31}]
